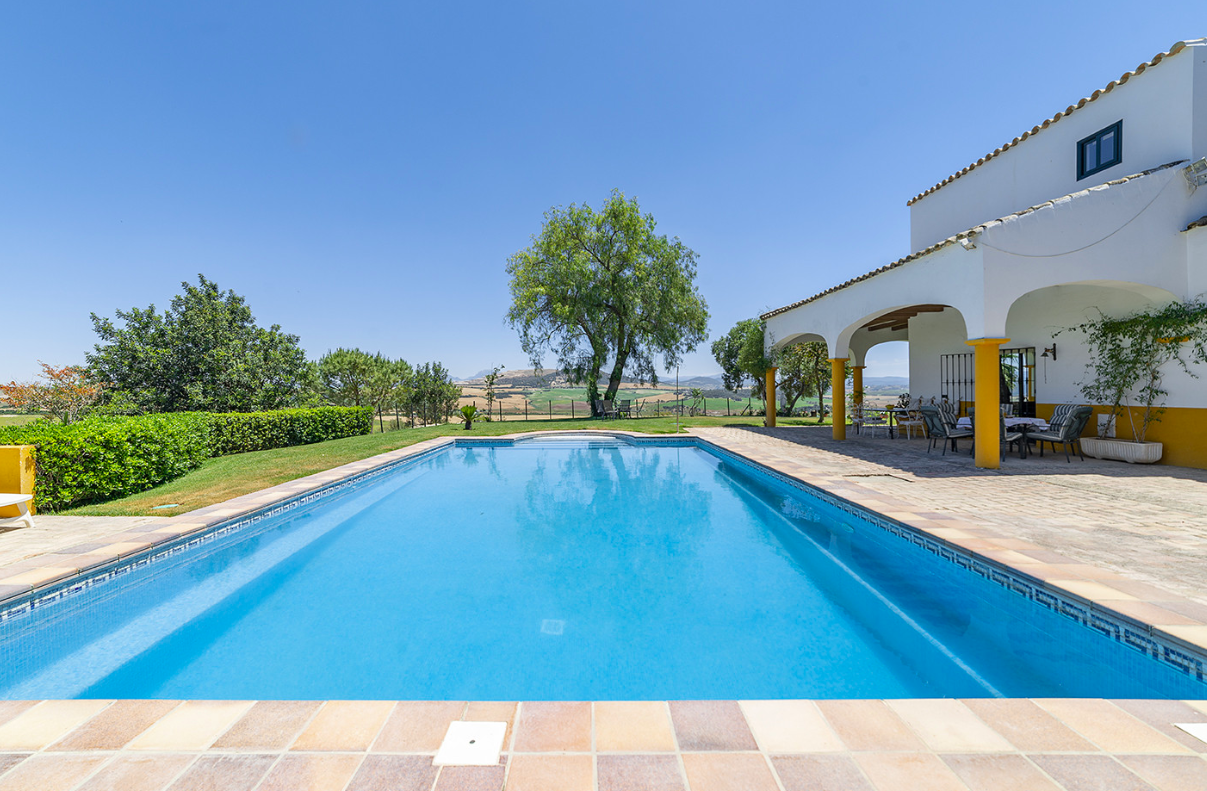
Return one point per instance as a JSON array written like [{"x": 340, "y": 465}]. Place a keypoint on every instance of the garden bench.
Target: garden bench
[{"x": 22, "y": 502}]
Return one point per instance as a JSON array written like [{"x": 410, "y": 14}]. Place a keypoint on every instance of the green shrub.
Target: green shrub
[
  {"x": 240, "y": 432},
  {"x": 100, "y": 458},
  {"x": 105, "y": 457}
]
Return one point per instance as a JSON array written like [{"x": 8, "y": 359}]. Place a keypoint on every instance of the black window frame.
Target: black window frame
[{"x": 1117, "y": 128}]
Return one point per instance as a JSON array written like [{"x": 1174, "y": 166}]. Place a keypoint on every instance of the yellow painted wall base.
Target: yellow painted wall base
[
  {"x": 16, "y": 474},
  {"x": 838, "y": 397},
  {"x": 770, "y": 398},
  {"x": 1183, "y": 430}
]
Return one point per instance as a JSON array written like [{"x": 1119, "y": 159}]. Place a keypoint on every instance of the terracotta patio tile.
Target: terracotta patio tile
[
  {"x": 1092, "y": 590},
  {"x": 38, "y": 576},
  {"x": 1201, "y": 705},
  {"x": 1108, "y": 726},
  {"x": 1191, "y": 609},
  {"x": 868, "y": 725},
  {"x": 417, "y": 726},
  {"x": 819, "y": 773},
  {"x": 348, "y": 725},
  {"x": 268, "y": 726},
  {"x": 949, "y": 726},
  {"x": 193, "y": 725},
  {"x": 493, "y": 711},
  {"x": 1089, "y": 773},
  {"x": 790, "y": 726},
  {"x": 128, "y": 772},
  {"x": 552, "y": 773},
  {"x": 1162, "y": 714},
  {"x": 47, "y": 722},
  {"x": 728, "y": 772},
  {"x": 553, "y": 727},
  {"x": 471, "y": 778},
  {"x": 114, "y": 727},
  {"x": 1169, "y": 772},
  {"x": 1152, "y": 614},
  {"x": 47, "y": 772},
  {"x": 999, "y": 773},
  {"x": 9, "y": 591},
  {"x": 1027, "y": 726},
  {"x": 908, "y": 772},
  {"x": 311, "y": 772},
  {"x": 394, "y": 773},
  {"x": 711, "y": 725},
  {"x": 637, "y": 773},
  {"x": 9, "y": 709},
  {"x": 9, "y": 760},
  {"x": 633, "y": 727},
  {"x": 225, "y": 772}
]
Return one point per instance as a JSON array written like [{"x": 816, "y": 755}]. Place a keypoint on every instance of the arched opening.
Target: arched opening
[{"x": 1038, "y": 325}]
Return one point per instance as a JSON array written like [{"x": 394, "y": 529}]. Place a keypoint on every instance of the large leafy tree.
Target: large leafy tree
[
  {"x": 351, "y": 377},
  {"x": 602, "y": 285},
  {"x": 735, "y": 347},
  {"x": 804, "y": 370},
  {"x": 204, "y": 353}
]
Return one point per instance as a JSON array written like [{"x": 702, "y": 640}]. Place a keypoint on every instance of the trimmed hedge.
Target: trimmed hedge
[
  {"x": 101, "y": 458},
  {"x": 106, "y": 457},
  {"x": 240, "y": 432}
]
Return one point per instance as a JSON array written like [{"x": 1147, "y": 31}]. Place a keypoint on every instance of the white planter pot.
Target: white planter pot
[{"x": 1122, "y": 450}]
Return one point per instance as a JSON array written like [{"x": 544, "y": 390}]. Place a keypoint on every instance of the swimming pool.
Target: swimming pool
[{"x": 571, "y": 569}]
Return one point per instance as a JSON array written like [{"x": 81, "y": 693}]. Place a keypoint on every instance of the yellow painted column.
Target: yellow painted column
[
  {"x": 769, "y": 392},
  {"x": 987, "y": 397},
  {"x": 838, "y": 396},
  {"x": 857, "y": 384},
  {"x": 16, "y": 474}
]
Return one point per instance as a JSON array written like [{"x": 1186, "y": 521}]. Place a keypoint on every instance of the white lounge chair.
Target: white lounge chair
[{"x": 22, "y": 502}]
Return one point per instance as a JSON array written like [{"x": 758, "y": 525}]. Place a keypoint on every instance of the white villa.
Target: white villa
[{"x": 1101, "y": 207}]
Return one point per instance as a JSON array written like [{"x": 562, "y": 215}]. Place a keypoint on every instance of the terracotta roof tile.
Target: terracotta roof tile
[
  {"x": 1174, "y": 50},
  {"x": 975, "y": 230},
  {"x": 1199, "y": 223}
]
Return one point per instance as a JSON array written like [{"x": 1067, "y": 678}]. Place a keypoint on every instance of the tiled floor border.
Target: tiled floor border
[{"x": 1184, "y": 656}]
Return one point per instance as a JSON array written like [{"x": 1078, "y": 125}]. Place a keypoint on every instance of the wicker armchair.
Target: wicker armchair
[
  {"x": 939, "y": 429},
  {"x": 1066, "y": 431}
]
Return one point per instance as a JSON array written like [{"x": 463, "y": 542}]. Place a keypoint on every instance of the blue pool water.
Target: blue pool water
[{"x": 563, "y": 570}]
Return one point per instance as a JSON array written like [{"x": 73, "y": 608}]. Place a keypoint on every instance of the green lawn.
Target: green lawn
[
  {"x": 17, "y": 420},
  {"x": 539, "y": 399},
  {"x": 230, "y": 476}
]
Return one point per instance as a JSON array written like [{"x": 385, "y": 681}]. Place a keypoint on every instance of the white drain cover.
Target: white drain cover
[
  {"x": 471, "y": 744},
  {"x": 1196, "y": 729}
]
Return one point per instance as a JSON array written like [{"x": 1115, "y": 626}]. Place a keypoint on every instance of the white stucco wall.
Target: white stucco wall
[
  {"x": 1164, "y": 119},
  {"x": 930, "y": 336},
  {"x": 1196, "y": 260},
  {"x": 1034, "y": 320}
]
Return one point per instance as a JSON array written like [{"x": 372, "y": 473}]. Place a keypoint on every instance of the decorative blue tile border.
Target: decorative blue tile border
[{"x": 1114, "y": 626}]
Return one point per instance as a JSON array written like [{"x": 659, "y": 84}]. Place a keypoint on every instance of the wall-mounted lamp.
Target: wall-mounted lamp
[{"x": 1050, "y": 352}]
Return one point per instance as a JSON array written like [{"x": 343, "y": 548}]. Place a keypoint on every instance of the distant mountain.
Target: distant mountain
[{"x": 887, "y": 381}]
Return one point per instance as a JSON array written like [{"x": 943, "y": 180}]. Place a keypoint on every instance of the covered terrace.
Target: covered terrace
[{"x": 1007, "y": 291}]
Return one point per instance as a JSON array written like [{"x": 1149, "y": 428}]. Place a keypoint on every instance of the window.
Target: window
[{"x": 1099, "y": 151}]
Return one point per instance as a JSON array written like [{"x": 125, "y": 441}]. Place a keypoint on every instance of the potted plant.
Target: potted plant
[
  {"x": 1127, "y": 358},
  {"x": 469, "y": 412}
]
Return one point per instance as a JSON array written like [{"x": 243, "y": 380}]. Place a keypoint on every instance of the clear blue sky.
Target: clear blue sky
[{"x": 361, "y": 171}]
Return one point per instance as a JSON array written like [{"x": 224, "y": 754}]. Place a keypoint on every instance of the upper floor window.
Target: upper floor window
[{"x": 1099, "y": 151}]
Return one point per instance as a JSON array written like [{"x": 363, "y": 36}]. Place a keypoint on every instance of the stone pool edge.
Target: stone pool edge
[{"x": 34, "y": 584}]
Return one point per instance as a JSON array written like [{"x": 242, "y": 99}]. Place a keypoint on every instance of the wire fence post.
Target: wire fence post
[
  {"x": 727, "y": 406},
  {"x": 525, "y": 409},
  {"x": 571, "y": 408},
  {"x": 551, "y": 408}
]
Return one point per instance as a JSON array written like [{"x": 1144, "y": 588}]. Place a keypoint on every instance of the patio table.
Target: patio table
[{"x": 1024, "y": 425}]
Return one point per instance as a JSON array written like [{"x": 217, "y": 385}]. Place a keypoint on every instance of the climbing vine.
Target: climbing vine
[{"x": 1129, "y": 355}]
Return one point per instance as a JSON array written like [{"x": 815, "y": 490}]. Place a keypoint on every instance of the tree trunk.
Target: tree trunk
[{"x": 617, "y": 374}]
